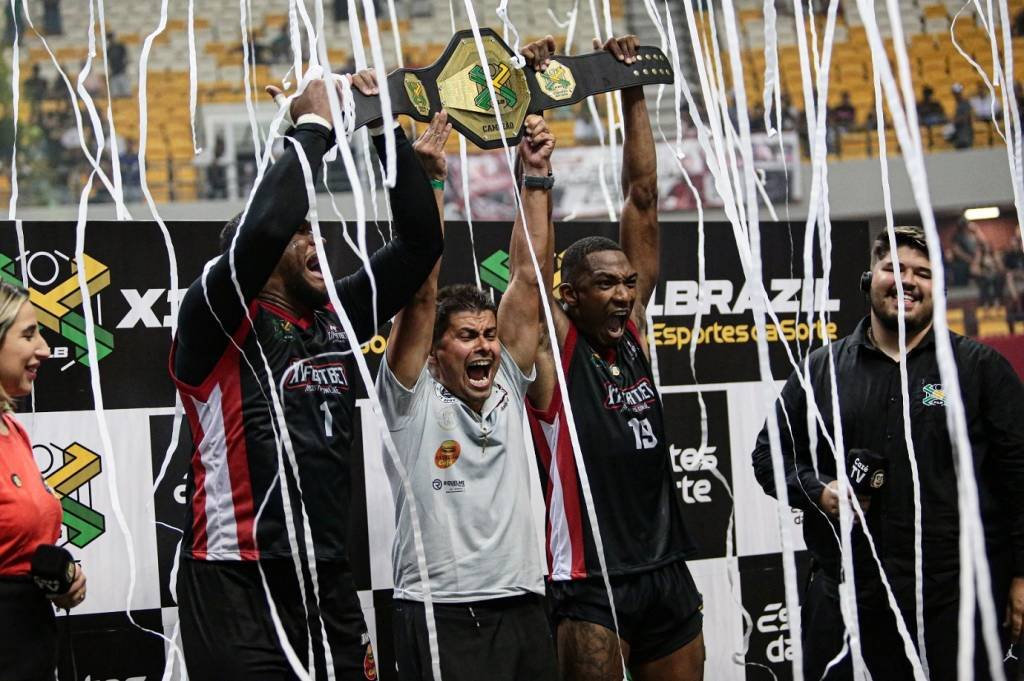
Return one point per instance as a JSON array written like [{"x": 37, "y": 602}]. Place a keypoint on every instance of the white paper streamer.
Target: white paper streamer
[
  {"x": 247, "y": 77},
  {"x": 972, "y": 579},
  {"x": 904, "y": 380},
  {"x": 12, "y": 208},
  {"x": 553, "y": 339},
  {"x": 193, "y": 78}
]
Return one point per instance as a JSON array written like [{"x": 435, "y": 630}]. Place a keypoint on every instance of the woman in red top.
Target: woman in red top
[{"x": 30, "y": 512}]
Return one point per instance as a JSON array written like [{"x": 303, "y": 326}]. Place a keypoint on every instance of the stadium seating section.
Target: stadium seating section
[{"x": 424, "y": 26}]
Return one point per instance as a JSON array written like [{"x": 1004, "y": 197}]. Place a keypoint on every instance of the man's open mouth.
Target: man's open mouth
[
  {"x": 479, "y": 372},
  {"x": 617, "y": 322},
  {"x": 313, "y": 265}
]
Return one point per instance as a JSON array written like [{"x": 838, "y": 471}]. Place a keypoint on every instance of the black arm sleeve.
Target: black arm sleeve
[
  {"x": 277, "y": 211},
  {"x": 802, "y": 483},
  {"x": 1002, "y": 412},
  {"x": 402, "y": 265}
]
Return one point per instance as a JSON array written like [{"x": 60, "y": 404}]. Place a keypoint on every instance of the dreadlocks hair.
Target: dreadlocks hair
[
  {"x": 459, "y": 298},
  {"x": 575, "y": 256}
]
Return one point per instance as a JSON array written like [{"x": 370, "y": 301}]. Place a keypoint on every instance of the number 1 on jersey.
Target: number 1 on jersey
[
  {"x": 328, "y": 419},
  {"x": 643, "y": 434}
]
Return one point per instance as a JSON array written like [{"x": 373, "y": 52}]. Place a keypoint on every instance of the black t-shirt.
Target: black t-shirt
[
  {"x": 620, "y": 426},
  {"x": 871, "y": 410},
  {"x": 216, "y": 361}
]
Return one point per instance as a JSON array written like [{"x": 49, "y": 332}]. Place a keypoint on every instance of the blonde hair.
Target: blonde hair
[{"x": 11, "y": 300}]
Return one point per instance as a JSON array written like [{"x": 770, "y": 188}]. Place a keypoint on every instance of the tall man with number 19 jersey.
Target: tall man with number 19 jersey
[{"x": 620, "y": 427}]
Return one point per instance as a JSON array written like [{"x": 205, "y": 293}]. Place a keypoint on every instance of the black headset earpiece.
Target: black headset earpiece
[{"x": 865, "y": 281}]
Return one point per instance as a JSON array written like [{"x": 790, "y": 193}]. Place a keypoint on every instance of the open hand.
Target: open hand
[{"x": 430, "y": 146}]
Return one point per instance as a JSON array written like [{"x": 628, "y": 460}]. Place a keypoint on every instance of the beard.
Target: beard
[
  {"x": 914, "y": 321},
  {"x": 304, "y": 293}
]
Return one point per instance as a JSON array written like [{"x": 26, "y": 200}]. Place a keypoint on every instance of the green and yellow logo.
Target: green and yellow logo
[
  {"x": 58, "y": 307},
  {"x": 495, "y": 273},
  {"x": 934, "y": 395},
  {"x": 500, "y": 74},
  {"x": 417, "y": 94},
  {"x": 557, "y": 81},
  {"x": 78, "y": 467}
]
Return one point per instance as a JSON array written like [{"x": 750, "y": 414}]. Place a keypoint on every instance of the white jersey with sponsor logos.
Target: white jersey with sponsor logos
[{"x": 470, "y": 476}]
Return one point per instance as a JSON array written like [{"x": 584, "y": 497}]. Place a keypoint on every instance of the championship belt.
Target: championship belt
[{"x": 457, "y": 83}]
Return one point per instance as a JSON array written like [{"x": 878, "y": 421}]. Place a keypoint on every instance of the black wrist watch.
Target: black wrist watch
[{"x": 535, "y": 182}]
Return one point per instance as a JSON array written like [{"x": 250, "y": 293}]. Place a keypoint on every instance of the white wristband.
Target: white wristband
[{"x": 314, "y": 118}]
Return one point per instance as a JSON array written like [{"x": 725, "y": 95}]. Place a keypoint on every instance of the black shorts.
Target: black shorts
[
  {"x": 659, "y": 611},
  {"x": 28, "y": 631},
  {"x": 227, "y": 631},
  {"x": 505, "y": 639}
]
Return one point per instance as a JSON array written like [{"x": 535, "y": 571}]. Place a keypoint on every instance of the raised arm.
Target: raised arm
[
  {"x": 638, "y": 225},
  {"x": 411, "y": 334},
  {"x": 519, "y": 310},
  {"x": 403, "y": 264},
  {"x": 277, "y": 211},
  {"x": 538, "y": 56}
]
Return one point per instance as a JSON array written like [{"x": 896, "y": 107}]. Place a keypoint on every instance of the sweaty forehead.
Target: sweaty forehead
[
  {"x": 908, "y": 257},
  {"x": 611, "y": 262},
  {"x": 479, "y": 320}
]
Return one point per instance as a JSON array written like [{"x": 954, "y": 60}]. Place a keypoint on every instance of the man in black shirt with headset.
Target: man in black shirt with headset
[{"x": 871, "y": 405}]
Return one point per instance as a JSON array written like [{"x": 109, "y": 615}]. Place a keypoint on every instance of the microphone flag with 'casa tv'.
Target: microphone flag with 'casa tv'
[
  {"x": 867, "y": 471},
  {"x": 53, "y": 569}
]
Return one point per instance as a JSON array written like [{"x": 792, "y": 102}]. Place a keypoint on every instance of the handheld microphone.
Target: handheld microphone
[
  {"x": 53, "y": 569},
  {"x": 867, "y": 471}
]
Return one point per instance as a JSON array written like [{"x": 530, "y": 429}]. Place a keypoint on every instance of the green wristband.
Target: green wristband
[{"x": 437, "y": 184}]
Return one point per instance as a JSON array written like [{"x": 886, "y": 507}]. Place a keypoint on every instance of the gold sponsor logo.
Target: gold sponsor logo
[
  {"x": 447, "y": 454},
  {"x": 417, "y": 94},
  {"x": 557, "y": 81}
]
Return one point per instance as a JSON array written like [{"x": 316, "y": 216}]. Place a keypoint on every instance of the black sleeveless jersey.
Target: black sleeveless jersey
[
  {"x": 236, "y": 500},
  {"x": 620, "y": 426},
  {"x": 236, "y": 462}
]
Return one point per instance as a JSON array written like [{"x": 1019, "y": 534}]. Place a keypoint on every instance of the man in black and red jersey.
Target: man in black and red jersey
[
  {"x": 267, "y": 386},
  {"x": 618, "y": 416}
]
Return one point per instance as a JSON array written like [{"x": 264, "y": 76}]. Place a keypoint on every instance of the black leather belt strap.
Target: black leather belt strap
[{"x": 456, "y": 83}]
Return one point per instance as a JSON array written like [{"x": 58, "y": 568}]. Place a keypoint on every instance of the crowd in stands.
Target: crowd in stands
[
  {"x": 996, "y": 275},
  {"x": 953, "y": 114},
  {"x": 51, "y": 162}
]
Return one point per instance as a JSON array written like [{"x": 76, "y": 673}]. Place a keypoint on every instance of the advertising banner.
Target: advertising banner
[
  {"x": 588, "y": 179},
  {"x": 124, "y": 501}
]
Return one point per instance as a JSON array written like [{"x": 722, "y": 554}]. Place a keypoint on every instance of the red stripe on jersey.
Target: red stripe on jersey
[
  {"x": 199, "y": 482},
  {"x": 238, "y": 464},
  {"x": 631, "y": 327},
  {"x": 565, "y": 465},
  {"x": 226, "y": 375},
  {"x": 543, "y": 451}
]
